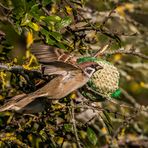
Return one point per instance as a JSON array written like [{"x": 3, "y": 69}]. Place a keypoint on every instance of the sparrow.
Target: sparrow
[{"x": 69, "y": 77}]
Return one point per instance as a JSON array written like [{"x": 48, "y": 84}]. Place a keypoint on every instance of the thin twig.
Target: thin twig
[
  {"x": 111, "y": 99},
  {"x": 129, "y": 97},
  {"x": 19, "y": 70},
  {"x": 144, "y": 109},
  {"x": 125, "y": 123},
  {"x": 99, "y": 109},
  {"x": 101, "y": 50},
  {"x": 43, "y": 8},
  {"x": 4, "y": 6},
  {"x": 74, "y": 125},
  {"x": 131, "y": 52},
  {"x": 108, "y": 17}
]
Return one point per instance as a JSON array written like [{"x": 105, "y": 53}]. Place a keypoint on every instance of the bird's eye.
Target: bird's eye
[{"x": 89, "y": 70}]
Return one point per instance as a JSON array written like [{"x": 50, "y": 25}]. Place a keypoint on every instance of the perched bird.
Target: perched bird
[{"x": 69, "y": 77}]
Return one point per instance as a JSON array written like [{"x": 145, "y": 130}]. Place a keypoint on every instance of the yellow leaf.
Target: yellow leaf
[
  {"x": 53, "y": 9},
  {"x": 28, "y": 54},
  {"x": 73, "y": 96},
  {"x": 104, "y": 131},
  {"x": 129, "y": 7},
  {"x": 117, "y": 57},
  {"x": 29, "y": 39},
  {"x": 121, "y": 9},
  {"x": 144, "y": 85},
  {"x": 3, "y": 79},
  {"x": 34, "y": 26},
  {"x": 58, "y": 106},
  {"x": 30, "y": 137},
  {"x": 15, "y": 60},
  {"x": 134, "y": 87},
  {"x": 1, "y": 97},
  {"x": 51, "y": 131},
  {"x": 68, "y": 9},
  {"x": 83, "y": 134},
  {"x": 60, "y": 140},
  {"x": 122, "y": 134},
  {"x": 32, "y": 59},
  {"x": 42, "y": 17}
]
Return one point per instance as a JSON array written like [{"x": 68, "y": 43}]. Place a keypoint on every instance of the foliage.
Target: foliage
[{"x": 117, "y": 31}]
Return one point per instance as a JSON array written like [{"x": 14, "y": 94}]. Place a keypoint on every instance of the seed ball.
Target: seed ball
[{"x": 106, "y": 80}]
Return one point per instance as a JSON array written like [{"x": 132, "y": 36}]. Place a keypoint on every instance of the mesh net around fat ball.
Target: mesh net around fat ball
[{"x": 105, "y": 80}]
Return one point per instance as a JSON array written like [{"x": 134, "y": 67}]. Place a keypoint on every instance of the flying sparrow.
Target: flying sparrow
[{"x": 69, "y": 77}]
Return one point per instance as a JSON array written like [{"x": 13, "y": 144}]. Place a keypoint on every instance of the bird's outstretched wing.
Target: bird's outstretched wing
[
  {"x": 58, "y": 67},
  {"x": 45, "y": 53},
  {"x": 53, "y": 60},
  {"x": 64, "y": 83}
]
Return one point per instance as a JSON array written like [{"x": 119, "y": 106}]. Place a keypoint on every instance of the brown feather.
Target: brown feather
[
  {"x": 69, "y": 78},
  {"x": 57, "y": 88},
  {"x": 46, "y": 53}
]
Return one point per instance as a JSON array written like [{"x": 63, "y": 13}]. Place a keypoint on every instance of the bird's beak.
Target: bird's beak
[{"x": 98, "y": 67}]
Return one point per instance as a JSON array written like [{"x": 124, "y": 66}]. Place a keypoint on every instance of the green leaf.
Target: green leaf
[
  {"x": 60, "y": 45},
  {"x": 107, "y": 122},
  {"x": 53, "y": 38},
  {"x": 34, "y": 26},
  {"x": 92, "y": 136},
  {"x": 34, "y": 8},
  {"x": 50, "y": 41},
  {"x": 26, "y": 19},
  {"x": 49, "y": 19},
  {"x": 107, "y": 116},
  {"x": 19, "y": 8},
  {"x": 44, "y": 32},
  {"x": 56, "y": 35},
  {"x": 35, "y": 11},
  {"x": 68, "y": 127},
  {"x": 43, "y": 134},
  {"x": 46, "y": 2},
  {"x": 1, "y": 122},
  {"x": 64, "y": 22}
]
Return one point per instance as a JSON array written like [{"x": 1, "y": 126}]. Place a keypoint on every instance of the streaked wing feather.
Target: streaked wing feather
[
  {"x": 58, "y": 67},
  {"x": 48, "y": 56},
  {"x": 45, "y": 53}
]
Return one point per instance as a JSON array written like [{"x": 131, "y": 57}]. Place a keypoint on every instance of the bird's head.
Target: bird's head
[
  {"x": 89, "y": 71},
  {"x": 89, "y": 65}
]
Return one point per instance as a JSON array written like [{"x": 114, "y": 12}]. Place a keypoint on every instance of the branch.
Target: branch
[
  {"x": 74, "y": 125},
  {"x": 125, "y": 123},
  {"x": 20, "y": 70},
  {"x": 108, "y": 98},
  {"x": 1, "y": 5},
  {"x": 130, "y": 98},
  {"x": 28, "y": 75},
  {"x": 144, "y": 109},
  {"x": 131, "y": 52}
]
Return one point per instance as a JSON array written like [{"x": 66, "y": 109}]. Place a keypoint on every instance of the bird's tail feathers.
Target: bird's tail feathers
[
  {"x": 19, "y": 102},
  {"x": 10, "y": 105}
]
